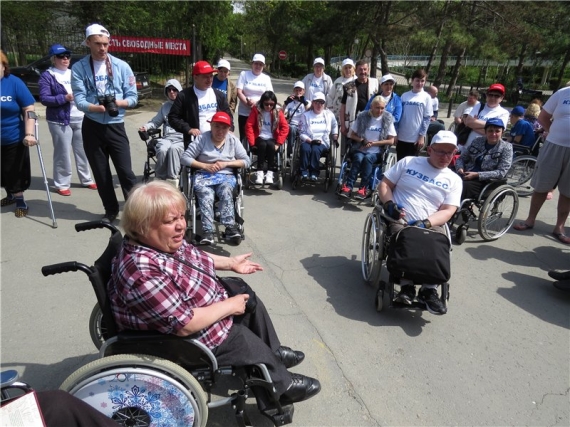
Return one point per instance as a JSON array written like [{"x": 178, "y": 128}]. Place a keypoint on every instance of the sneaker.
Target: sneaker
[
  {"x": 258, "y": 179},
  {"x": 345, "y": 191},
  {"x": 429, "y": 297},
  {"x": 269, "y": 177},
  {"x": 232, "y": 232},
  {"x": 109, "y": 218},
  {"x": 314, "y": 178},
  {"x": 305, "y": 176},
  {"x": 362, "y": 193},
  {"x": 64, "y": 192},
  {"x": 91, "y": 186},
  {"x": 406, "y": 295},
  {"x": 207, "y": 239}
]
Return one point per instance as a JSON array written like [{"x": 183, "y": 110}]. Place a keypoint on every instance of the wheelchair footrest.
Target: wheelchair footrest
[
  {"x": 280, "y": 417},
  {"x": 415, "y": 305}
]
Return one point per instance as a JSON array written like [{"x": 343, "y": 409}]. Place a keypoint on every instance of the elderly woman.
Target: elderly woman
[
  {"x": 266, "y": 129},
  {"x": 214, "y": 154},
  {"x": 64, "y": 121},
  {"x": 17, "y": 134},
  {"x": 488, "y": 157},
  {"x": 371, "y": 132},
  {"x": 251, "y": 84},
  {"x": 318, "y": 126},
  {"x": 160, "y": 282},
  {"x": 393, "y": 101}
]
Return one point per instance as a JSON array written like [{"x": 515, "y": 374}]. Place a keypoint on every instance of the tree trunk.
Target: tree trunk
[
  {"x": 455, "y": 72},
  {"x": 564, "y": 64},
  {"x": 442, "y": 64},
  {"x": 438, "y": 37}
]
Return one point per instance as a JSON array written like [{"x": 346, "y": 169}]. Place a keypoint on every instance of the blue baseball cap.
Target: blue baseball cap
[
  {"x": 58, "y": 49},
  {"x": 494, "y": 121},
  {"x": 518, "y": 111}
]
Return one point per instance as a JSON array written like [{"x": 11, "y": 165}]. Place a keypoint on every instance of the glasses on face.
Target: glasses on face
[
  {"x": 494, "y": 95},
  {"x": 63, "y": 56},
  {"x": 269, "y": 104},
  {"x": 318, "y": 101},
  {"x": 171, "y": 89},
  {"x": 443, "y": 153}
]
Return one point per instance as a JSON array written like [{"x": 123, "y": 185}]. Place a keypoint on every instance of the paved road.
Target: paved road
[{"x": 499, "y": 357}]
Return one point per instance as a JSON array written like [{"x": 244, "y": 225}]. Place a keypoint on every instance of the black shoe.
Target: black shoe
[
  {"x": 207, "y": 239},
  {"x": 301, "y": 388},
  {"x": 290, "y": 357},
  {"x": 109, "y": 218},
  {"x": 406, "y": 295},
  {"x": 559, "y": 274},
  {"x": 429, "y": 297},
  {"x": 232, "y": 232}
]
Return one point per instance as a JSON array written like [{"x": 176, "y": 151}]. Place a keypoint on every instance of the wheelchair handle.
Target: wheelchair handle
[
  {"x": 94, "y": 225},
  {"x": 65, "y": 267}
]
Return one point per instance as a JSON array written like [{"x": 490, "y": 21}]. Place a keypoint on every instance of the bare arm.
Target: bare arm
[
  {"x": 207, "y": 316},
  {"x": 443, "y": 215},
  {"x": 239, "y": 263}
]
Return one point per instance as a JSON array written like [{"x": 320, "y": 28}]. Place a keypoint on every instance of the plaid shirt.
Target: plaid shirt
[{"x": 150, "y": 290}]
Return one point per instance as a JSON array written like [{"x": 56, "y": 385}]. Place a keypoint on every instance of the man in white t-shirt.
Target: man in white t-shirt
[
  {"x": 435, "y": 125},
  {"x": 196, "y": 105},
  {"x": 492, "y": 108},
  {"x": 423, "y": 192},
  {"x": 317, "y": 81},
  {"x": 467, "y": 106}
]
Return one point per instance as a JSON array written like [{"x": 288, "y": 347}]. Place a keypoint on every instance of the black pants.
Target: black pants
[
  {"x": 16, "y": 171},
  {"x": 471, "y": 189},
  {"x": 241, "y": 126},
  {"x": 265, "y": 154},
  {"x": 60, "y": 408},
  {"x": 101, "y": 141},
  {"x": 433, "y": 128},
  {"x": 252, "y": 340},
  {"x": 405, "y": 149}
]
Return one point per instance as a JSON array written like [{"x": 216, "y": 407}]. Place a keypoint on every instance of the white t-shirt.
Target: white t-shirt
[
  {"x": 100, "y": 68},
  {"x": 265, "y": 131},
  {"x": 559, "y": 106},
  {"x": 435, "y": 104},
  {"x": 415, "y": 106},
  {"x": 486, "y": 114},
  {"x": 291, "y": 107},
  {"x": 64, "y": 79},
  {"x": 465, "y": 108},
  {"x": 317, "y": 124},
  {"x": 253, "y": 87},
  {"x": 372, "y": 132},
  {"x": 317, "y": 85},
  {"x": 422, "y": 189},
  {"x": 207, "y": 107}
]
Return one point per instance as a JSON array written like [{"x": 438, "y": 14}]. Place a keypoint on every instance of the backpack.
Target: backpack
[{"x": 463, "y": 131}]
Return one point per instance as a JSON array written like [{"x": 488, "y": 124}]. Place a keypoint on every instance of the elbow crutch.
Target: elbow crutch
[{"x": 33, "y": 115}]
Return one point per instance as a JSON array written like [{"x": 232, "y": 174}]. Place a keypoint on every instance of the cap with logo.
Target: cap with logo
[
  {"x": 299, "y": 84},
  {"x": 222, "y": 63},
  {"x": 57, "y": 49},
  {"x": 319, "y": 60},
  {"x": 494, "y": 121},
  {"x": 221, "y": 117},
  {"x": 202, "y": 67},
  {"x": 258, "y": 57},
  {"x": 387, "y": 77},
  {"x": 347, "y": 61},
  {"x": 497, "y": 87},
  {"x": 444, "y": 137}
]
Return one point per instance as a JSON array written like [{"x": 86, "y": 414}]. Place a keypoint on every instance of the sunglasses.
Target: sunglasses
[
  {"x": 318, "y": 101},
  {"x": 171, "y": 89},
  {"x": 63, "y": 56},
  {"x": 268, "y": 104},
  {"x": 494, "y": 95}
]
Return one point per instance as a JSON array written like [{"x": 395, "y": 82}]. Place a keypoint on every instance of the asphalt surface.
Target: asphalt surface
[{"x": 499, "y": 357}]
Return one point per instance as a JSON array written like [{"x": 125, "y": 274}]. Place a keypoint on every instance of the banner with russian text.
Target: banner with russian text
[{"x": 149, "y": 45}]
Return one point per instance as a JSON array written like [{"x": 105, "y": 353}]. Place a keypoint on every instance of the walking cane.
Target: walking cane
[{"x": 33, "y": 115}]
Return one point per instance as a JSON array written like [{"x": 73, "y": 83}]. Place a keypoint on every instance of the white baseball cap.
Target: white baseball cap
[
  {"x": 348, "y": 61},
  {"x": 386, "y": 78},
  {"x": 222, "y": 63},
  {"x": 258, "y": 57},
  {"x": 299, "y": 84},
  {"x": 319, "y": 96},
  {"x": 96, "y": 30},
  {"x": 444, "y": 137},
  {"x": 319, "y": 60}
]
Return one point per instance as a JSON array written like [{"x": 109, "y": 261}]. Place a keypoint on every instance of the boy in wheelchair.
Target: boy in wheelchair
[
  {"x": 425, "y": 193},
  {"x": 159, "y": 282}
]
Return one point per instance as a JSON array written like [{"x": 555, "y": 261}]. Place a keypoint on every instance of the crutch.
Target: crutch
[{"x": 33, "y": 115}]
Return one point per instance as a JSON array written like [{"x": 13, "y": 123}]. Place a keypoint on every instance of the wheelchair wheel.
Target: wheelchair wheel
[
  {"x": 461, "y": 234},
  {"x": 379, "y": 300},
  {"x": 138, "y": 390},
  {"x": 519, "y": 175},
  {"x": 372, "y": 252},
  {"x": 391, "y": 159},
  {"x": 97, "y": 327},
  {"x": 498, "y": 212},
  {"x": 294, "y": 172},
  {"x": 331, "y": 167}
]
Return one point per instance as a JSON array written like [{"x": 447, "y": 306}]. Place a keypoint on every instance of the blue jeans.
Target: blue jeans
[
  {"x": 363, "y": 163},
  {"x": 293, "y": 130},
  {"x": 310, "y": 156}
]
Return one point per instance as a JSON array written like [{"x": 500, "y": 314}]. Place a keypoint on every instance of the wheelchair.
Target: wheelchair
[
  {"x": 376, "y": 238},
  {"x": 497, "y": 206},
  {"x": 523, "y": 166},
  {"x": 388, "y": 160},
  {"x": 147, "y": 378},
  {"x": 192, "y": 209},
  {"x": 10, "y": 387},
  {"x": 150, "y": 138},
  {"x": 328, "y": 165},
  {"x": 278, "y": 170}
]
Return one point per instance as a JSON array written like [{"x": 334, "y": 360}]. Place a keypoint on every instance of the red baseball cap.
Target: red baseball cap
[
  {"x": 498, "y": 87},
  {"x": 221, "y": 117},
  {"x": 202, "y": 67}
]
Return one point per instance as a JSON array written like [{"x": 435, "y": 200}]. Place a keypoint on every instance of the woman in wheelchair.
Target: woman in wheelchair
[
  {"x": 214, "y": 154},
  {"x": 371, "y": 132},
  {"x": 159, "y": 282},
  {"x": 266, "y": 129},
  {"x": 318, "y": 127},
  {"x": 487, "y": 158}
]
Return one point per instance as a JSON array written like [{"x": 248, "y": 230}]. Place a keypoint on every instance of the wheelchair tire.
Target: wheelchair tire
[
  {"x": 372, "y": 252},
  {"x": 379, "y": 300},
  {"x": 498, "y": 212},
  {"x": 138, "y": 390},
  {"x": 519, "y": 175},
  {"x": 461, "y": 234},
  {"x": 331, "y": 167},
  {"x": 279, "y": 183},
  {"x": 97, "y": 327}
]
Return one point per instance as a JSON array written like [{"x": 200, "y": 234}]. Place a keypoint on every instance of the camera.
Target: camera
[{"x": 108, "y": 101}]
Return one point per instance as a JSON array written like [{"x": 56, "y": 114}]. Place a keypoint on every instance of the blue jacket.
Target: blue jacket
[
  {"x": 52, "y": 95},
  {"x": 85, "y": 93},
  {"x": 394, "y": 107}
]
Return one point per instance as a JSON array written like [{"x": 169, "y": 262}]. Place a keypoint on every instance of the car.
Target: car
[{"x": 30, "y": 74}]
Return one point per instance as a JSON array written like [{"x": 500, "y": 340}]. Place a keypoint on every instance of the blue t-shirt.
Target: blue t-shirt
[
  {"x": 524, "y": 128},
  {"x": 14, "y": 95},
  {"x": 220, "y": 85}
]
